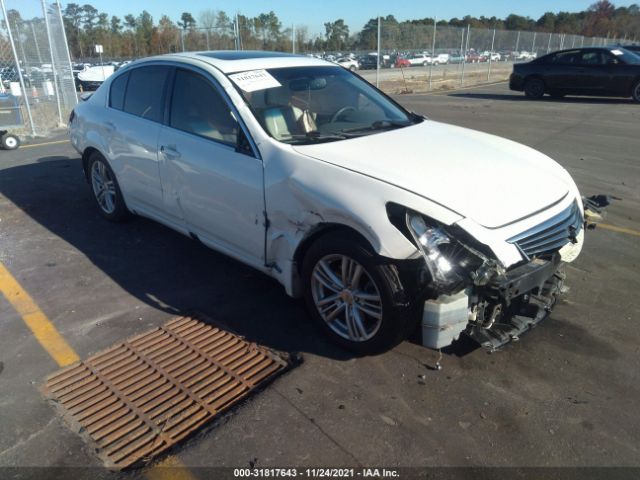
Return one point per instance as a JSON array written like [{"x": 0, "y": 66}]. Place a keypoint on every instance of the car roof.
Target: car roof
[
  {"x": 600, "y": 47},
  {"x": 230, "y": 61}
]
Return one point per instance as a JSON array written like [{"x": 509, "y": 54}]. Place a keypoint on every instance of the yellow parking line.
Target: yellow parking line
[
  {"x": 45, "y": 144},
  {"x": 36, "y": 320},
  {"x": 613, "y": 228},
  {"x": 171, "y": 468}
]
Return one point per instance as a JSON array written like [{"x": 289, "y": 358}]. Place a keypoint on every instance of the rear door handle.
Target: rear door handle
[{"x": 170, "y": 152}]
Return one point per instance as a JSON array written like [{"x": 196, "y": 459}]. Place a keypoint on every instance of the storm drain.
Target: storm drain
[{"x": 138, "y": 398}]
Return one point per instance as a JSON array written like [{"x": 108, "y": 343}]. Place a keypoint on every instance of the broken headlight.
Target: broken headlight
[
  {"x": 452, "y": 257},
  {"x": 433, "y": 242}
]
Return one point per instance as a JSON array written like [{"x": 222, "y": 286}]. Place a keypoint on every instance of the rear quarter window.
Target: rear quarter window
[{"x": 116, "y": 94}]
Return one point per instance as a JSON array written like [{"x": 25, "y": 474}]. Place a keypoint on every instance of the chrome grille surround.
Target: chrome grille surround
[{"x": 550, "y": 235}]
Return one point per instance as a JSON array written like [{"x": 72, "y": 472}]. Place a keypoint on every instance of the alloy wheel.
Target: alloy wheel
[
  {"x": 346, "y": 297},
  {"x": 534, "y": 88},
  {"x": 104, "y": 187}
]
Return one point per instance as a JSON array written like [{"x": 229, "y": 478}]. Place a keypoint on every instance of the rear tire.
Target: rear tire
[
  {"x": 635, "y": 92},
  {"x": 105, "y": 189},
  {"x": 534, "y": 88},
  {"x": 349, "y": 295}
]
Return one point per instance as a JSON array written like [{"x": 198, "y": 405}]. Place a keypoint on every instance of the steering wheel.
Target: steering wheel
[{"x": 341, "y": 112}]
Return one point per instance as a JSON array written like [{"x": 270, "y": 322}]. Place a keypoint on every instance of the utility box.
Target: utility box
[
  {"x": 444, "y": 319},
  {"x": 10, "y": 114}
]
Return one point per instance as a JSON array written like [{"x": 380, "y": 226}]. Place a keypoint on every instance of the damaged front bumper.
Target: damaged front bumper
[
  {"x": 458, "y": 285},
  {"x": 496, "y": 313},
  {"x": 492, "y": 314}
]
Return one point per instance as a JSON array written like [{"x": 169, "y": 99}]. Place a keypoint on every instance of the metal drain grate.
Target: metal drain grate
[{"x": 140, "y": 397}]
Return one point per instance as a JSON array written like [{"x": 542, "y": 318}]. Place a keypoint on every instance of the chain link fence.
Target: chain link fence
[
  {"x": 418, "y": 58},
  {"x": 35, "y": 68}
]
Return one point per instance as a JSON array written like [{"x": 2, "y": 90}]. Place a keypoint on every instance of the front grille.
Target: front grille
[{"x": 550, "y": 235}]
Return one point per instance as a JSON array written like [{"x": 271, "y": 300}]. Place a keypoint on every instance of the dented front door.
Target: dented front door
[{"x": 217, "y": 190}]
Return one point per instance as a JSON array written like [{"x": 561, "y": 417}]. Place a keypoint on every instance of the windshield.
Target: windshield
[{"x": 303, "y": 105}]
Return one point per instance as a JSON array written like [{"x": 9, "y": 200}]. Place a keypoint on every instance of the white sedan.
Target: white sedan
[
  {"x": 348, "y": 63},
  {"x": 418, "y": 59},
  {"x": 381, "y": 219}
]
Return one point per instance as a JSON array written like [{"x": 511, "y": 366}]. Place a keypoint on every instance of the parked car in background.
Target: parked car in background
[
  {"x": 348, "y": 63},
  {"x": 92, "y": 77},
  {"x": 368, "y": 62},
  {"x": 10, "y": 74},
  {"x": 606, "y": 71},
  {"x": 493, "y": 56},
  {"x": 401, "y": 62},
  {"x": 508, "y": 55},
  {"x": 418, "y": 59},
  {"x": 456, "y": 57},
  {"x": 475, "y": 57},
  {"x": 441, "y": 59},
  {"x": 524, "y": 56},
  {"x": 309, "y": 174}
]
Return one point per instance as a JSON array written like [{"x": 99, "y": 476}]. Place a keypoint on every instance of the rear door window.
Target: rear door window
[
  {"x": 144, "y": 97},
  {"x": 566, "y": 58},
  {"x": 591, "y": 58}
]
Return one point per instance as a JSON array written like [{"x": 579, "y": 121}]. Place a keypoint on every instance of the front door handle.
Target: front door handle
[{"x": 170, "y": 151}]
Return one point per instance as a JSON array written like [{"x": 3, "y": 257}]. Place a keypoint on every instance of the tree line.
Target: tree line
[{"x": 142, "y": 35}]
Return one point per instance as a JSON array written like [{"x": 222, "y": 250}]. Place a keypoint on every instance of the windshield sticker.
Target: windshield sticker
[
  {"x": 617, "y": 52},
  {"x": 254, "y": 80}
]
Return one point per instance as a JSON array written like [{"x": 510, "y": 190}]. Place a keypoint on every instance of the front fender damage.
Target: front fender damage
[{"x": 304, "y": 214}]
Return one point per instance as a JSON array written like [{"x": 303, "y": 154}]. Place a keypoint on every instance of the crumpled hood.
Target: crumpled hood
[{"x": 489, "y": 179}]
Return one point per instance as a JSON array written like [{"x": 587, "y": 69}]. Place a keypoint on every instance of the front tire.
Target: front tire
[
  {"x": 534, "y": 88},
  {"x": 105, "y": 188},
  {"x": 349, "y": 295}
]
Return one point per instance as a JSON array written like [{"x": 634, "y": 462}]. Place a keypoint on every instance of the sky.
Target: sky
[{"x": 313, "y": 13}]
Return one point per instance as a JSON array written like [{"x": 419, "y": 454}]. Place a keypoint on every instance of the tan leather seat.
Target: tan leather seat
[{"x": 283, "y": 120}]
